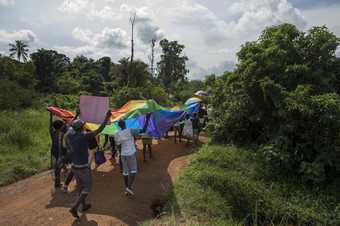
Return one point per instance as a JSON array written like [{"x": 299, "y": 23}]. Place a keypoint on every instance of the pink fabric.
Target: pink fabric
[{"x": 93, "y": 109}]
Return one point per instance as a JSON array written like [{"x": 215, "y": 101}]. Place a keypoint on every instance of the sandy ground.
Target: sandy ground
[{"x": 34, "y": 201}]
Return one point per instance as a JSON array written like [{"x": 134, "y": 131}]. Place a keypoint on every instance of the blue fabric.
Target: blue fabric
[
  {"x": 99, "y": 157},
  {"x": 161, "y": 120}
]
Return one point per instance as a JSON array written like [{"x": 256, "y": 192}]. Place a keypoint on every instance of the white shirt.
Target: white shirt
[{"x": 126, "y": 140}]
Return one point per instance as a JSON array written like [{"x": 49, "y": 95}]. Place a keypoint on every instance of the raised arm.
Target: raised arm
[
  {"x": 77, "y": 113},
  {"x": 102, "y": 126}
]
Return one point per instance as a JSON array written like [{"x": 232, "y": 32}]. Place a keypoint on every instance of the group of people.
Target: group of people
[
  {"x": 190, "y": 127},
  {"x": 71, "y": 144}
]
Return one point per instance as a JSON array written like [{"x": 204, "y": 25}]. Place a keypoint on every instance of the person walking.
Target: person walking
[
  {"x": 125, "y": 138},
  {"x": 56, "y": 130},
  {"x": 79, "y": 143}
]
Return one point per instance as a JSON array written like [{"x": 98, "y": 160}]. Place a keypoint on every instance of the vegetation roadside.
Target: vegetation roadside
[
  {"x": 25, "y": 143},
  {"x": 228, "y": 185}
]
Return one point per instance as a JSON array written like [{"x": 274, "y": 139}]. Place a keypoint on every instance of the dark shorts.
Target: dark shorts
[
  {"x": 84, "y": 179},
  {"x": 129, "y": 164}
]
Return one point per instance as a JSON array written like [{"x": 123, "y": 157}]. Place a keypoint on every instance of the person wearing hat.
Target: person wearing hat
[{"x": 79, "y": 143}]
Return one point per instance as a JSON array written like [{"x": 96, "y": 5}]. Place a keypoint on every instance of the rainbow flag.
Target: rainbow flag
[{"x": 134, "y": 114}]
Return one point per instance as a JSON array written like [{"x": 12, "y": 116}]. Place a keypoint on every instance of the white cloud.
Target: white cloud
[
  {"x": 24, "y": 35},
  {"x": 7, "y": 2},
  {"x": 202, "y": 19},
  {"x": 146, "y": 28},
  {"x": 76, "y": 51},
  {"x": 73, "y": 6},
  {"x": 245, "y": 20},
  {"x": 112, "y": 38},
  {"x": 106, "y": 13},
  {"x": 199, "y": 72},
  {"x": 258, "y": 14},
  {"x": 97, "y": 44}
]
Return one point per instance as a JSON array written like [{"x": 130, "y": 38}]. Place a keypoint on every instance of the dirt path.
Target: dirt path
[{"x": 34, "y": 201}]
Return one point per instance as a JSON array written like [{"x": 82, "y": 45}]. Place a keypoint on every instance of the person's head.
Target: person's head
[
  {"x": 78, "y": 125},
  {"x": 58, "y": 124},
  {"x": 121, "y": 124}
]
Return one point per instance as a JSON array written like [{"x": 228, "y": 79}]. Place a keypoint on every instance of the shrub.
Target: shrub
[
  {"x": 225, "y": 183},
  {"x": 282, "y": 97},
  {"x": 13, "y": 96}
]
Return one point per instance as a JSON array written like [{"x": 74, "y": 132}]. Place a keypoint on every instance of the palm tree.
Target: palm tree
[{"x": 19, "y": 48}]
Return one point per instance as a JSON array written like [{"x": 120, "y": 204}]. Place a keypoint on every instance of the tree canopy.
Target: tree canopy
[{"x": 284, "y": 97}]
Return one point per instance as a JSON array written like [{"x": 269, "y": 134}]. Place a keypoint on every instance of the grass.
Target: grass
[
  {"x": 226, "y": 185},
  {"x": 24, "y": 144}
]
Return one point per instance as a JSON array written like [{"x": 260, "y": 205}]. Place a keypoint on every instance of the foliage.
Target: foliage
[
  {"x": 171, "y": 67},
  {"x": 49, "y": 65},
  {"x": 282, "y": 96},
  {"x": 16, "y": 84},
  {"x": 19, "y": 48},
  {"x": 230, "y": 183},
  {"x": 24, "y": 146}
]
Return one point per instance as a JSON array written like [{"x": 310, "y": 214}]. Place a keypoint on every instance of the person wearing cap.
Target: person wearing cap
[{"x": 79, "y": 143}]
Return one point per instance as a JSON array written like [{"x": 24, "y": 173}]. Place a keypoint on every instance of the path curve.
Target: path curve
[{"x": 34, "y": 201}]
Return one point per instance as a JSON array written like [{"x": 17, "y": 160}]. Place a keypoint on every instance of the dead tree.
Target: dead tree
[
  {"x": 153, "y": 43},
  {"x": 132, "y": 22}
]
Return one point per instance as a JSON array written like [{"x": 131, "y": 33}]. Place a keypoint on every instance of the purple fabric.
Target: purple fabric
[
  {"x": 160, "y": 121},
  {"x": 93, "y": 109}
]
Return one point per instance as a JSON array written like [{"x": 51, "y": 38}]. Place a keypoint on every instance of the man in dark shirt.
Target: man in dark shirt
[
  {"x": 56, "y": 133},
  {"x": 79, "y": 143}
]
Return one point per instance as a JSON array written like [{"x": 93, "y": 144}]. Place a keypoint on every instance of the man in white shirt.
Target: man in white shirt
[{"x": 125, "y": 138}]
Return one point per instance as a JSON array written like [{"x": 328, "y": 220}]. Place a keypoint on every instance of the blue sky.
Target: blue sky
[{"x": 211, "y": 30}]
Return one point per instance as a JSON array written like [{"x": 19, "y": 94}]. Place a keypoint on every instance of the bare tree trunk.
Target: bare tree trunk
[
  {"x": 132, "y": 22},
  {"x": 153, "y": 42}
]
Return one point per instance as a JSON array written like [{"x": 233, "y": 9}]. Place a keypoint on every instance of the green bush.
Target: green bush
[
  {"x": 230, "y": 183},
  {"x": 282, "y": 97},
  {"x": 13, "y": 96},
  {"x": 69, "y": 102},
  {"x": 25, "y": 144}
]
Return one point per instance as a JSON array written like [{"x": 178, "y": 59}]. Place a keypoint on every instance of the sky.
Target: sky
[{"x": 211, "y": 30}]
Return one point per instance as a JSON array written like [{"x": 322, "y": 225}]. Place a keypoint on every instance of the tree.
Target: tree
[
  {"x": 104, "y": 66},
  {"x": 132, "y": 22},
  {"x": 49, "y": 65},
  {"x": 19, "y": 48},
  {"x": 152, "y": 60},
  {"x": 172, "y": 66},
  {"x": 283, "y": 97}
]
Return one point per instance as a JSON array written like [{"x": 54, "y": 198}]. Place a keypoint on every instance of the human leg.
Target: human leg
[
  {"x": 144, "y": 151},
  {"x": 132, "y": 164},
  {"x": 84, "y": 180},
  {"x": 150, "y": 150}
]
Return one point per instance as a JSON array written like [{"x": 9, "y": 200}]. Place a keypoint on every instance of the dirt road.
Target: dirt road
[{"x": 34, "y": 201}]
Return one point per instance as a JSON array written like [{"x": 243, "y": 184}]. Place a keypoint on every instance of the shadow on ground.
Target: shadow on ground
[{"x": 154, "y": 181}]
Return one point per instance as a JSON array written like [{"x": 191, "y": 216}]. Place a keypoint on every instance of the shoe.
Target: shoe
[
  {"x": 86, "y": 207},
  {"x": 74, "y": 213},
  {"x": 128, "y": 190},
  {"x": 64, "y": 189}
]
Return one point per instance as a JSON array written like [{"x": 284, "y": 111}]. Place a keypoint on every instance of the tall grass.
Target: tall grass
[
  {"x": 231, "y": 184},
  {"x": 24, "y": 144}
]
